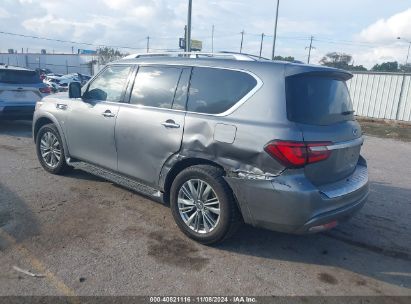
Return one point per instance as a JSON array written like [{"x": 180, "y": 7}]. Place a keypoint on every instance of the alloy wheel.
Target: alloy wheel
[
  {"x": 198, "y": 206},
  {"x": 50, "y": 149}
]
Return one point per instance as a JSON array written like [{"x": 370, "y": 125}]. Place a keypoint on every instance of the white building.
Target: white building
[{"x": 57, "y": 63}]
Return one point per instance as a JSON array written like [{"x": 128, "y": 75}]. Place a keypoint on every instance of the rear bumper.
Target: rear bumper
[
  {"x": 9, "y": 112},
  {"x": 291, "y": 203}
]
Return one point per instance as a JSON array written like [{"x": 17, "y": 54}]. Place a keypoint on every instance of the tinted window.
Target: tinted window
[
  {"x": 180, "y": 98},
  {"x": 216, "y": 90},
  {"x": 15, "y": 76},
  {"x": 318, "y": 100},
  {"x": 155, "y": 86},
  {"x": 109, "y": 85}
]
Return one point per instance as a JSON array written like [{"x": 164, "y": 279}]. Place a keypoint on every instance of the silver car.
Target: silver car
[
  {"x": 224, "y": 139},
  {"x": 20, "y": 89}
]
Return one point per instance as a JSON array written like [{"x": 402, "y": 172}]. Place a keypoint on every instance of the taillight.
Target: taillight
[
  {"x": 298, "y": 154},
  {"x": 46, "y": 90}
]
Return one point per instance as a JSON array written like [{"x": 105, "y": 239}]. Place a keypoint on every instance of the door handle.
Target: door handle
[
  {"x": 108, "y": 113},
  {"x": 61, "y": 106},
  {"x": 169, "y": 123}
]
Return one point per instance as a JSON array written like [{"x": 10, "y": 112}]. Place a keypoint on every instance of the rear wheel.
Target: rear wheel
[
  {"x": 50, "y": 150},
  {"x": 203, "y": 205}
]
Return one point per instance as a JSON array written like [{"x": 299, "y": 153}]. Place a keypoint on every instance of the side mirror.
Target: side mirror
[{"x": 74, "y": 90}]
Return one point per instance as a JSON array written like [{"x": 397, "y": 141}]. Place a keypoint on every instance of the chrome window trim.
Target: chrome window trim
[
  {"x": 341, "y": 145},
  {"x": 229, "y": 111}
]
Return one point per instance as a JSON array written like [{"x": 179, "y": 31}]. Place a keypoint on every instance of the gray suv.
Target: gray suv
[{"x": 224, "y": 139}]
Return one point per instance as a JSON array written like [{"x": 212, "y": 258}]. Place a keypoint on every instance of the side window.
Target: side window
[
  {"x": 109, "y": 85},
  {"x": 180, "y": 98},
  {"x": 155, "y": 86},
  {"x": 214, "y": 91}
]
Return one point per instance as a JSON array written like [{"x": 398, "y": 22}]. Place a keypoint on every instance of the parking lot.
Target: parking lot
[{"x": 90, "y": 237}]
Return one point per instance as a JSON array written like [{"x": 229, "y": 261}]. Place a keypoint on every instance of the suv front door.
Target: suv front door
[
  {"x": 150, "y": 128},
  {"x": 91, "y": 119}
]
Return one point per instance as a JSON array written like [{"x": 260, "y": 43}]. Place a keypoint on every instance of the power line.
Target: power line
[{"x": 69, "y": 41}]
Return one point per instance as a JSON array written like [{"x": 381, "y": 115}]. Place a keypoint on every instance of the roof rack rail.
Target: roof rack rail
[{"x": 218, "y": 55}]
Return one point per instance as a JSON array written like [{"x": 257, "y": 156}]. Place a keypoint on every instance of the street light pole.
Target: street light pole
[
  {"x": 188, "y": 35},
  {"x": 275, "y": 30}
]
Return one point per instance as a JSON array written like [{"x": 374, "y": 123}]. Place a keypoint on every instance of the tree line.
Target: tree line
[{"x": 346, "y": 62}]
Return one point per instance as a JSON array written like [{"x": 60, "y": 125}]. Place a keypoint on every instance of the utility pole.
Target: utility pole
[
  {"x": 409, "y": 48},
  {"x": 212, "y": 39},
  {"x": 309, "y": 49},
  {"x": 148, "y": 44},
  {"x": 188, "y": 35},
  {"x": 261, "y": 45},
  {"x": 275, "y": 30},
  {"x": 242, "y": 39}
]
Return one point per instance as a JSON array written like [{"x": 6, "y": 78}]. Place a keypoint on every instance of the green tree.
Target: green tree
[
  {"x": 406, "y": 68},
  {"x": 341, "y": 61},
  {"x": 281, "y": 58},
  {"x": 107, "y": 54},
  {"x": 358, "y": 68},
  {"x": 391, "y": 66},
  {"x": 336, "y": 60}
]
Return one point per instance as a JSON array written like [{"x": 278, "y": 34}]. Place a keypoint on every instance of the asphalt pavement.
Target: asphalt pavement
[{"x": 86, "y": 236}]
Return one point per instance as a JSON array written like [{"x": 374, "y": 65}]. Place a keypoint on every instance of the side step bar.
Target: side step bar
[{"x": 118, "y": 179}]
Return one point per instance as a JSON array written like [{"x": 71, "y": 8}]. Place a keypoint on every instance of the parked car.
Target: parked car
[
  {"x": 20, "y": 89},
  {"x": 62, "y": 82},
  {"x": 222, "y": 140}
]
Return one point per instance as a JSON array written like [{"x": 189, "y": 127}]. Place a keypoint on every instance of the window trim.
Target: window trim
[
  {"x": 123, "y": 94},
  {"x": 132, "y": 81},
  {"x": 229, "y": 111}
]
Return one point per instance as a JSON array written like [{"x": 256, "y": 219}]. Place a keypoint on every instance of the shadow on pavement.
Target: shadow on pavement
[
  {"x": 18, "y": 128},
  {"x": 374, "y": 243},
  {"x": 16, "y": 218}
]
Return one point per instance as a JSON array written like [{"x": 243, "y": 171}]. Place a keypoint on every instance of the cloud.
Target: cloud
[
  {"x": 386, "y": 30},
  {"x": 4, "y": 13}
]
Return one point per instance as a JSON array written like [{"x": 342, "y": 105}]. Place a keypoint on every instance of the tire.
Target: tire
[
  {"x": 194, "y": 219},
  {"x": 51, "y": 163}
]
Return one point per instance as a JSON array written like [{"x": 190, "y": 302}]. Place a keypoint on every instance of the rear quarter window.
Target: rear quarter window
[
  {"x": 318, "y": 100},
  {"x": 19, "y": 76},
  {"x": 214, "y": 91}
]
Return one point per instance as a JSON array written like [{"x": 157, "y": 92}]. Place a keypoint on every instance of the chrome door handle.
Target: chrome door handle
[
  {"x": 171, "y": 124},
  {"x": 61, "y": 106},
  {"x": 108, "y": 113}
]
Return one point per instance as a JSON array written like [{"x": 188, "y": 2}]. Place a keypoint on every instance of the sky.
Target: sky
[{"x": 366, "y": 29}]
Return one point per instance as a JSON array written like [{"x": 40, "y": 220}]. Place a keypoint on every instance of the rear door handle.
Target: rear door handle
[
  {"x": 108, "y": 113},
  {"x": 169, "y": 123},
  {"x": 61, "y": 106}
]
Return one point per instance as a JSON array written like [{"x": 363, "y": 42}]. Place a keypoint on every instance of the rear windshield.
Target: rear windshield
[
  {"x": 16, "y": 76},
  {"x": 318, "y": 100}
]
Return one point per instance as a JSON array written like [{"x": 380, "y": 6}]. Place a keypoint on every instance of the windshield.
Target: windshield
[
  {"x": 318, "y": 100},
  {"x": 19, "y": 76}
]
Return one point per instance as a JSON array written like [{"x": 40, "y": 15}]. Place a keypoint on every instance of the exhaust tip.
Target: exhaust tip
[{"x": 323, "y": 227}]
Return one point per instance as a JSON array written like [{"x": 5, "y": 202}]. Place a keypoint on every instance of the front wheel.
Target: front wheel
[
  {"x": 50, "y": 150},
  {"x": 203, "y": 204}
]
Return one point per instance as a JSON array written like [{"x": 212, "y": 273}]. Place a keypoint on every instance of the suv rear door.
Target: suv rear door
[
  {"x": 320, "y": 104},
  {"x": 150, "y": 128}
]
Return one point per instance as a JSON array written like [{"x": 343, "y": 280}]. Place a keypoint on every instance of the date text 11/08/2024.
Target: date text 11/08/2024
[{"x": 188, "y": 299}]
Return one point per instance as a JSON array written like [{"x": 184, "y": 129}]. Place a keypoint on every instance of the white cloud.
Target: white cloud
[
  {"x": 386, "y": 30},
  {"x": 4, "y": 14}
]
